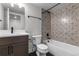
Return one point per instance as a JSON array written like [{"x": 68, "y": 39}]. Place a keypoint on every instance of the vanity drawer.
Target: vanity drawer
[
  {"x": 5, "y": 41},
  {"x": 19, "y": 38}
]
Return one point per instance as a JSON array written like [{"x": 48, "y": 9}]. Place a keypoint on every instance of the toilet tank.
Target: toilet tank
[{"x": 37, "y": 39}]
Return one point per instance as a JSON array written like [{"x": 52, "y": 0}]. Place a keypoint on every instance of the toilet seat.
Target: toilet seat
[{"x": 42, "y": 46}]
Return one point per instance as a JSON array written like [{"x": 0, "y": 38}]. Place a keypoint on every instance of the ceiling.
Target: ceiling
[
  {"x": 44, "y": 5},
  {"x": 21, "y": 10},
  {"x": 14, "y": 9}
]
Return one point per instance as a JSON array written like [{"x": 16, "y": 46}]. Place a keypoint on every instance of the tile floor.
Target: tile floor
[{"x": 34, "y": 54}]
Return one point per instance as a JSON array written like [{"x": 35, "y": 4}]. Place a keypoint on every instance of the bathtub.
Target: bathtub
[{"x": 58, "y": 48}]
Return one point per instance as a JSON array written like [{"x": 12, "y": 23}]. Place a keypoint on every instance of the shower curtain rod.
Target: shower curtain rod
[
  {"x": 51, "y": 7},
  {"x": 34, "y": 17}
]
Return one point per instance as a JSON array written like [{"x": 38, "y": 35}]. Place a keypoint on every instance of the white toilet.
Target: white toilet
[{"x": 42, "y": 49}]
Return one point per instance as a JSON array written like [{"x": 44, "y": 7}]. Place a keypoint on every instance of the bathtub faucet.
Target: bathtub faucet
[{"x": 48, "y": 36}]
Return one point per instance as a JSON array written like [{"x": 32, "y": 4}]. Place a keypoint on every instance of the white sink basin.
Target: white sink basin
[{"x": 7, "y": 33}]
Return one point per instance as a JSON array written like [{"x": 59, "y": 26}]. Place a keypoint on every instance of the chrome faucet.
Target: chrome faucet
[{"x": 11, "y": 29}]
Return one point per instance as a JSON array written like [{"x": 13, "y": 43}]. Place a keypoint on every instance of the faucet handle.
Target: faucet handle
[{"x": 48, "y": 41}]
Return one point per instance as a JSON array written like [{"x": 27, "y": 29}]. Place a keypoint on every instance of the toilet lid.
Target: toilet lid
[{"x": 42, "y": 46}]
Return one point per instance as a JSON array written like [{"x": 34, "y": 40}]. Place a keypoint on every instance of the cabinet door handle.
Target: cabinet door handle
[{"x": 10, "y": 50}]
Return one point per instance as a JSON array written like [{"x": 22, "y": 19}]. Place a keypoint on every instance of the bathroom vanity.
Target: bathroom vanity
[
  {"x": 14, "y": 44},
  {"x": 13, "y": 38}
]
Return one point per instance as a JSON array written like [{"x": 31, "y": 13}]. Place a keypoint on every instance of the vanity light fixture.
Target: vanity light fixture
[{"x": 19, "y": 4}]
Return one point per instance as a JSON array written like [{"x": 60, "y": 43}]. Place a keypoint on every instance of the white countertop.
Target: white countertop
[
  {"x": 8, "y": 34},
  {"x": 14, "y": 34}
]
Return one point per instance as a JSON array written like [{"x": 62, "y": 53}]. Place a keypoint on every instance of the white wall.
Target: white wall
[
  {"x": 23, "y": 22},
  {"x": 33, "y": 26},
  {"x": 1, "y": 16}
]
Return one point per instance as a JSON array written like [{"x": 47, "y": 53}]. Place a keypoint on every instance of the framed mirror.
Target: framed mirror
[{"x": 12, "y": 15}]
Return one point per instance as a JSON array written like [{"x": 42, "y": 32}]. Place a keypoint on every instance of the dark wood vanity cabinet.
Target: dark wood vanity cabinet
[
  {"x": 3, "y": 50},
  {"x": 20, "y": 49},
  {"x": 15, "y": 46}
]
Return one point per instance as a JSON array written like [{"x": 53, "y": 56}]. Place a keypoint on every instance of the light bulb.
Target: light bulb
[
  {"x": 15, "y": 17},
  {"x": 20, "y": 5},
  {"x": 12, "y": 4}
]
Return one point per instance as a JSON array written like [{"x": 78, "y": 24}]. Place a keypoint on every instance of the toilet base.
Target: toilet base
[
  {"x": 34, "y": 54},
  {"x": 40, "y": 54}
]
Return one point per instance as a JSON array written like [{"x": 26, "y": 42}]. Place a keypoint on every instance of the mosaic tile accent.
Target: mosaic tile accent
[{"x": 65, "y": 23}]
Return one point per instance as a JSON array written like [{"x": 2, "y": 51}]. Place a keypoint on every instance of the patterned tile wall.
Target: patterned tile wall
[{"x": 65, "y": 23}]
